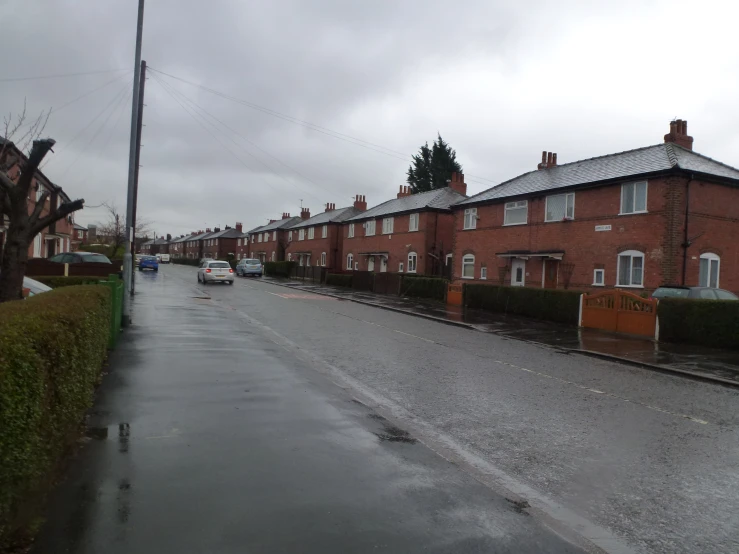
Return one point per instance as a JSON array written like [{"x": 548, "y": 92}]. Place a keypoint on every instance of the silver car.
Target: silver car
[
  {"x": 213, "y": 271},
  {"x": 249, "y": 266}
]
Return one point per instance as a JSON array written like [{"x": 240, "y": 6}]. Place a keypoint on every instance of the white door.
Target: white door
[
  {"x": 371, "y": 263},
  {"x": 383, "y": 264},
  {"x": 518, "y": 273}
]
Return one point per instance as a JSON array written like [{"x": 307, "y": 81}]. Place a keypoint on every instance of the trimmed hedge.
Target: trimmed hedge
[
  {"x": 56, "y": 282},
  {"x": 423, "y": 287},
  {"x": 52, "y": 348},
  {"x": 339, "y": 279},
  {"x": 562, "y": 306},
  {"x": 707, "y": 322},
  {"x": 278, "y": 269}
]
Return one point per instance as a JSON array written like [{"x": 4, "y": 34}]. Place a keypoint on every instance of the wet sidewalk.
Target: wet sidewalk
[{"x": 690, "y": 360}]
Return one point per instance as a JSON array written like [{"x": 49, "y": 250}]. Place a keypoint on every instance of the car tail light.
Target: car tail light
[
  {"x": 207, "y": 270},
  {"x": 230, "y": 270}
]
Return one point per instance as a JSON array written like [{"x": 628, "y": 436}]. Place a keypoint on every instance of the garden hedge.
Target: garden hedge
[
  {"x": 707, "y": 322},
  {"x": 339, "y": 279},
  {"x": 278, "y": 269},
  {"x": 56, "y": 282},
  {"x": 562, "y": 306},
  {"x": 423, "y": 287},
  {"x": 185, "y": 261},
  {"x": 52, "y": 348}
]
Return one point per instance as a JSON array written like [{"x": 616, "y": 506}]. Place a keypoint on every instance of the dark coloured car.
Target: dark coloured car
[
  {"x": 695, "y": 293},
  {"x": 80, "y": 258}
]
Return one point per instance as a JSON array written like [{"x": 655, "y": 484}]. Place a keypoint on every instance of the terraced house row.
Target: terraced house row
[{"x": 661, "y": 214}]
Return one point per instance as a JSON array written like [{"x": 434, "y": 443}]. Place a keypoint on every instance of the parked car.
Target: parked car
[
  {"x": 701, "y": 293},
  {"x": 213, "y": 271},
  {"x": 163, "y": 258},
  {"x": 137, "y": 258},
  {"x": 249, "y": 266},
  {"x": 79, "y": 258},
  {"x": 148, "y": 262},
  {"x": 34, "y": 286}
]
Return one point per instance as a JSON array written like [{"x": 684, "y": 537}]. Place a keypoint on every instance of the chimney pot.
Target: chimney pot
[
  {"x": 544, "y": 157},
  {"x": 679, "y": 134},
  {"x": 554, "y": 159}
]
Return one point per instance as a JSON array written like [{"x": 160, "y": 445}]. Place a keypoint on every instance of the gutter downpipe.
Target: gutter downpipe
[{"x": 686, "y": 242}]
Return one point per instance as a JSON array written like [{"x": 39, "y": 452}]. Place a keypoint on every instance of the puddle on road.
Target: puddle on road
[
  {"x": 99, "y": 433},
  {"x": 519, "y": 506},
  {"x": 395, "y": 434}
]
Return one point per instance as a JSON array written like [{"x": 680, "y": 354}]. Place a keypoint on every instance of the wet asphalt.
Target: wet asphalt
[
  {"x": 634, "y": 460},
  {"x": 215, "y": 433}
]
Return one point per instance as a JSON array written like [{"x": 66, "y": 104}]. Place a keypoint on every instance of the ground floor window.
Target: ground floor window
[
  {"x": 412, "y": 262},
  {"x": 289, "y": 257},
  {"x": 709, "y": 270},
  {"x": 323, "y": 259},
  {"x": 349, "y": 261},
  {"x": 273, "y": 256},
  {"x": 599, "y": 277},
  {"x": 400, "y": 267},
  {"x": 630, "y": 269},
  {"x": 468, "y": 267},
  {"x": 483, "y": 273}
]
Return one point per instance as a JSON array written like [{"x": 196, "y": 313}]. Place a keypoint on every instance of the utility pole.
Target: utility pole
[
  {"x": 139, "y": 125},
  {"x": 132, "y": 157}
]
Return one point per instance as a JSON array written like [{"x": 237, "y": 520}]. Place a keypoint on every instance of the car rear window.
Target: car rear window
[
  {"x": 726, "y": 295},
  {"x": 96, "y": 258},
  {"x": 219, "y": 264},
  {"x": 149, "y": 258},
  {"x": 252, "y": 261},
  {"x": 665, "y": 292}
]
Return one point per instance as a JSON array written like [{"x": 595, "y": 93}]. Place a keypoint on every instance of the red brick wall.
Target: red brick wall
[
  {"x": 657, "y": 234},
  {"x": 271, "y": 245},
  {"x": 331, "y": 245}
]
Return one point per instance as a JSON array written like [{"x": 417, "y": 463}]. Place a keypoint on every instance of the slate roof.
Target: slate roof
[
  {"x": 181, "y": 239},
  {"x": 334, "y": 216},
  {"x": 439, "y": 199},
  {"x": 225, "y": 233},
  {"x": 279, "y": 224},
  {"x": 79, "y": 227},
  {"x": 632, "y": 163}
]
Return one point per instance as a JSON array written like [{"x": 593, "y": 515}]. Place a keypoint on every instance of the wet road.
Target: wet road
[
  {"x": 214, "y": 433},
  {"x": 626, "y": 455}
]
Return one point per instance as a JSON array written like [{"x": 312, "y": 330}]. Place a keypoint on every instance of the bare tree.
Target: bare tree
[
  {"x": 113, "y": 230},
  {"x": 17, "y": 172}
]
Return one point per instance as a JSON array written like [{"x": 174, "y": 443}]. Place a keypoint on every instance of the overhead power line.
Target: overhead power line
[{"x": 59, "y": 75}]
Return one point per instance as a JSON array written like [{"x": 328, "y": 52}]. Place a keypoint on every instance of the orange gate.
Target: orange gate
[{"x": 621, "y": 312}]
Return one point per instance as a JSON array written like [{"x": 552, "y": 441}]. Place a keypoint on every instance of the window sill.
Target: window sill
[
  {"x": 568, "y": 220},
  {"x": 629, "y": 286},
  {"x": 634, "y": 213},
  {"x": 470, "y": 278},
  {"x": 598, "y": 285},
  {"x": 469, "y": 228},
  {"x": 409, "y": 271},
  {"x": 515, "y": 224}
]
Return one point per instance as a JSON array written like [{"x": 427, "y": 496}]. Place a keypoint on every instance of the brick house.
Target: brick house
[
  {"x": 638, "y": 219},
  {"x": 194, "y": 244},
  {"x": 412, "y": 233},
  {"x": 242, "y": 244},
  {"x": 56, "y": 238},
  {"x": 177, "y": 246},
  {"x": 268, "y": 243},
  {"x": 79, "y": 237},
  {"x": 222, "y": 243},
  {"x": 318, "y": 240},
  {"x": 156, "y": 246}
]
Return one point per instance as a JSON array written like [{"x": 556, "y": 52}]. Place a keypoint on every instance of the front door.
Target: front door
[
  {"x": 371, "y": 263},
  {"x": 551, "y": 273},
  {"x": 383, "y": 264},
  {"x": 518, "y": 273}
]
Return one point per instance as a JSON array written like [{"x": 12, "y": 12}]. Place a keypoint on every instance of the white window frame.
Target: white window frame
[
  {"x": 274, "y": 235},
  {"x": 400, "y": 267},
  {"x": 412, "y": 262},
  {"x": 350, "y": 261},
  {"x": 467, "y": 260},
  {"x": 311, "y": 233},
  {"x": 238, "y": 242},
  {"x": 413, "y": 223},
  {"x": 568, "y": 196},
  {"x": 387, "y": 225},
  {"x": 470, "y": 218},
  {"x": 710, "y": 257},
  {"x": 515, "y": 264},
  {"x": 631, "y": 254},
  {"x": 301, "y": 234},
  {"x": 274, "y": 256},
  {"x": 483, "y": 273},
  {"x": 289, "y": 236},
  {"x": 356, "y": 266},
  {"x": 289, "y": 257},
  {"x": 633, "y": 206},
  {"x": 351, "y": 231},
  {"x": 323, "y": 259},
  {"x": 602, "y": 273},
  {"x": 260, "y": 237},
  {"x": 324, "y": 231},
  {"x": 370, "y": 228},
  {"x": 515, "y": 205}
]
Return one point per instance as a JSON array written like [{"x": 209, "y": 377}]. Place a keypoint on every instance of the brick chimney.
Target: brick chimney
[
  {"x": 217, "y": 230},
  {"x": 404, "y": 191},
  {"x": 330, "y": 207},
  {"x": 207, "y": 229},
  {"x": 360, "y": 203},
  {"x": 239, "y": 227},
  {"x": 169, "y": 237},
  {"x": 305, "y": 213},
  {"x": 679, "y": 134},
  {"x": 271, "y": 221},
  {"x": 548, "y": 159},
  {"x": 457, "y": 184},
  {"x": 285, "y": 215}
]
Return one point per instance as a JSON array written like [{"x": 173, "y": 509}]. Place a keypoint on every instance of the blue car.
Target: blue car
[{"x": 148, "y": 262}]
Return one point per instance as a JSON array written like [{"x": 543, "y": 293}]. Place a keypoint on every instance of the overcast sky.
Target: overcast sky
[{"x": 501, "y": 81}]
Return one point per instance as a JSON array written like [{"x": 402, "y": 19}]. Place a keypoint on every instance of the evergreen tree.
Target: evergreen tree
[{"x": 432, "y": 167}]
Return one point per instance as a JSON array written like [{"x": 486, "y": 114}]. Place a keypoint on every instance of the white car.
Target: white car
[
  {"x": 213, "y": 271},
  {"x": 163, "y": 258}
]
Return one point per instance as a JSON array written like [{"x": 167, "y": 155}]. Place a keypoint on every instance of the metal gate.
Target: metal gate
[{"x": 621, "y": 312}]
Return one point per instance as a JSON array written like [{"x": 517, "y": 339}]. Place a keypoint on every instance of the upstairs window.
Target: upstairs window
[
  {"x": 301, "y": 234},
  {"x": 311, "y": 232},
  {"x": 631, "y": 269},
  {"x": 289, "y": 236},
  {"x": 709, "y": 270},
  {"x": 351, "y": 231},
  {"x": 470, "y": 218},
  {"x": 560, "y": 207},
  {"x": 634, "y": 198},
  {"x": 516, "y": 213},
  {"x": 274, "y": 235},
  {"x": 413, "y": 222},
  {"x": 387, "y": 226},
  {"x": 238, "y": 242},
  {"x": 324, "y": 233},
  {"x": 369, "y": 228}
]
